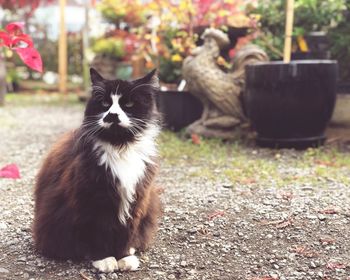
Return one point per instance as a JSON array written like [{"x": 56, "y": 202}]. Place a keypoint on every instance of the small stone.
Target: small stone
[
  {"x": 312, "y": 265},
  {"x": 3, "y": 225},
  {"x": 114, "y": 276},
  {"x": 22, "y": 259},
  {"x": 183, "y": 263},
  {"x": 4, "y": 270},
  {"x": 322, "y": 217},
  {"x": 192, "y": 231},
  {"x": 171, "y": 276},
  {"x": 152, "y": 266},
  {"x": 312, "y": 217},
  {"x": 216, "y": 233},
  {"x": 102, "y": 277}
]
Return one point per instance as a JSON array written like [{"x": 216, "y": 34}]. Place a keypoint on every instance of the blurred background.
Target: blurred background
[{"x": 127, "y": 38}]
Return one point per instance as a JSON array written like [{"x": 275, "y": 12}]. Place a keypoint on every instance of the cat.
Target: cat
[{"x": 95, "y": 196}]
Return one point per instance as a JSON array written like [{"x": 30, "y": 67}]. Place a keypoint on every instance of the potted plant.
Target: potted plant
[
  {"x": 114, "y": 50},
  {"x": 314, "y": 22},
  {"x": 13, "y": 37},
  {"x": 109, "y": 52},
  {"x": 173, "y": 35},
  {"x": 290, "y": 103},
  {"x": 178, "y": 107}
]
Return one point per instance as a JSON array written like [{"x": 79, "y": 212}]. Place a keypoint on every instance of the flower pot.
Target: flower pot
[
  {"x": 178, "y": 108},
  {"x": 290, "y": 104},
  {"x": 318, "y": 45}
]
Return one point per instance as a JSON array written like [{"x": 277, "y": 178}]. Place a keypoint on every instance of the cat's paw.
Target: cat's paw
[
  {"x": 106, "y": 265},
  {"x": 129, "y": 263}
]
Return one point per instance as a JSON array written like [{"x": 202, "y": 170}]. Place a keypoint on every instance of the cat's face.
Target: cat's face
[{"x": 119, "y": 110}]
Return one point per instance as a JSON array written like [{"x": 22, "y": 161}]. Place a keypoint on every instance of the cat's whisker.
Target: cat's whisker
[{"x": 136, "y": 120}]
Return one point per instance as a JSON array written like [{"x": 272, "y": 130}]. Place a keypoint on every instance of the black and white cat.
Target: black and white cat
[{"x": 95, "y": 196}]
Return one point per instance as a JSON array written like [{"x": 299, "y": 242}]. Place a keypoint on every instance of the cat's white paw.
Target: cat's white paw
[
  {"x": 106, "y": 265},
  {"x": 129, "y": 263}
]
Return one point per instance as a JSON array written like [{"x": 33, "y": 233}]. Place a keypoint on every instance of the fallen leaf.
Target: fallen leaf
[
  {"x": 84, "y": 276},
  {"x": 203, "y": 231},
  {"x": 278, "y": 223},
  {"x": 247, "y": 181},
  {"x": 325, "y": 163},
  {"x": 264, "y": 278},
  {"x": 304, "y": 251},
  {"x": 10, "y": 171},
  {"x": 327, "y": 241},
  {"x": 287, "y": 195},
  {"x": 195, "y": 139},
  {"x": 218, "y": 213},
  {"x": 329, "y": 211},
  {"x": 335, "y": 265},
  {"x": 284, "y": 224}
]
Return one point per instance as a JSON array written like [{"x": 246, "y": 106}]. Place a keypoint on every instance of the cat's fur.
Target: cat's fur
[{"x": 95, "y": 196}]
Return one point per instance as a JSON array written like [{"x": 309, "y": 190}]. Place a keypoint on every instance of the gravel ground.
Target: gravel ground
[{"x": 208, "y": 231}]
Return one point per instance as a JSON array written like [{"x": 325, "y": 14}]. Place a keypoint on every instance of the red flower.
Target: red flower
[{"x": 14, "y": 38}]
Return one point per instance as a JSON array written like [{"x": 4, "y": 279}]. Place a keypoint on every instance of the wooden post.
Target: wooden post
[
  {"x": 85, "y": 48},
  {"x": 62, "y": 50},
  {"x": 289, "y": 31},
  {"x": 2, "y": 80},
  {"x": 137, "y": 64}
]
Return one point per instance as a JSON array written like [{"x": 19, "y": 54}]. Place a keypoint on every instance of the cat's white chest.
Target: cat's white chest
[{"x": 128, "y": 166}]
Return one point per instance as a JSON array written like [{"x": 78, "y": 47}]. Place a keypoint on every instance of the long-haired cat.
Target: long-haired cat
[{"x": 95, "y": 196}]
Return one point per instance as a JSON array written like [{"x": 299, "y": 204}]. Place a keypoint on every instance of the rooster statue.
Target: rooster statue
[{"x": 219, "y": 91}]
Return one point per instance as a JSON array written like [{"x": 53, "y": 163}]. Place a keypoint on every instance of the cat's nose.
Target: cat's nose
[{"x": 111, "y": 118}]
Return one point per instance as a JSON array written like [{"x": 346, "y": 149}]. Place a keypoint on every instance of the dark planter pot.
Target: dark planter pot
[
  {"x": 310, "y": 55},
  {"x": 318, "y": 44},
  {"x": 178, "y": 109},
  {"x": 317, "y": 41},
  {"x": 290, "y": 105}
]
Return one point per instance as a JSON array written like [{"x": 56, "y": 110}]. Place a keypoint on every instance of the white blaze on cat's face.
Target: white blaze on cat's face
[{"x": 115, "y": 109}]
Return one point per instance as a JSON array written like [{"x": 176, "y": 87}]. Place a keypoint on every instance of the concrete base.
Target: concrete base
[{"x": 341, "y": 115}]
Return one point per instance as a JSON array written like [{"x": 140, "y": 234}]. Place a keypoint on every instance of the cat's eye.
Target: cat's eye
[
  {"x": 129, "y": 104},
  {"x": 105, "y": 103}
]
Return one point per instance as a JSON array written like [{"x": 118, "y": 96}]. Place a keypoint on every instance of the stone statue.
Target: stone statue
[{"x": 219, "y": 91}]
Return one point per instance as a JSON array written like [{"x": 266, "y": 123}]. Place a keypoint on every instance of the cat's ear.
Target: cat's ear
[
  {"x": 95, "y": 76},
  {"x": 151, "y": 79}
]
